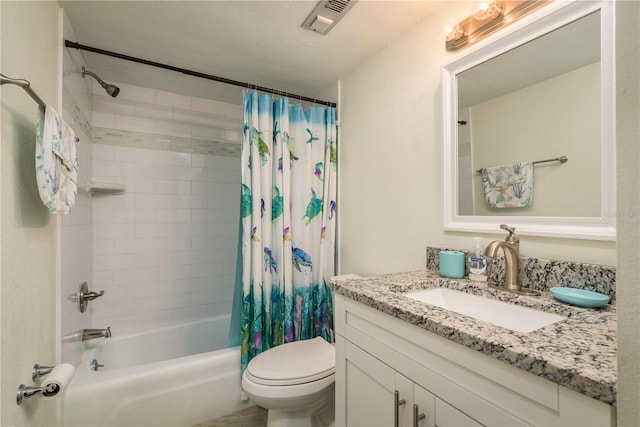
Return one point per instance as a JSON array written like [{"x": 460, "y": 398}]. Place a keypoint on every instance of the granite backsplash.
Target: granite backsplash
[{"x": 543, "y": 274}]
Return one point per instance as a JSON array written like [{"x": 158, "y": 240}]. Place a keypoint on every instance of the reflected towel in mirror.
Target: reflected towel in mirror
[{"x": 508, "y": 186}]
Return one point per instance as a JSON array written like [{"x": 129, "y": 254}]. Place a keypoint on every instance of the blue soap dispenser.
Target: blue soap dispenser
[{"x": 477, "y": 263}]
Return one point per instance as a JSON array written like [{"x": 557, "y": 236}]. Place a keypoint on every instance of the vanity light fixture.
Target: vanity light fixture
[{"x": 487, "y": 17}]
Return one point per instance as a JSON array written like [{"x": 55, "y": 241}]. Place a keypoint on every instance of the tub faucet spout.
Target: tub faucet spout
[{"x": 90, "y": 334}]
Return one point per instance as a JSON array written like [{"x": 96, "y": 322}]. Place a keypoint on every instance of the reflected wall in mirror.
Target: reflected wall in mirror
[
  {"x": 538, "y": 101},
  {"x": 542, "y": 91}
]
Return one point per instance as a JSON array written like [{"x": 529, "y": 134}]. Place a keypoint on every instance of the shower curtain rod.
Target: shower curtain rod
[{"x": 68, "y": 43}]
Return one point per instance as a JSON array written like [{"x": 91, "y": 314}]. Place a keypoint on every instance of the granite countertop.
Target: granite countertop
[{"x": 578, "y": 353}]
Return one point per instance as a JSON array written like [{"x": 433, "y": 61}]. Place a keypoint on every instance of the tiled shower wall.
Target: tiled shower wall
[{"x": 165, "y": 251}]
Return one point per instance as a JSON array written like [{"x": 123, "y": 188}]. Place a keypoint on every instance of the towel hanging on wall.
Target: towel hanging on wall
[
  {"x": 56, "y": 161},
  {"x": 508, "y": 186}
]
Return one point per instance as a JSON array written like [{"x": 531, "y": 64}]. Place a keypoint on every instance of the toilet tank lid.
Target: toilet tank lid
[{"x": 293, "y": 363}]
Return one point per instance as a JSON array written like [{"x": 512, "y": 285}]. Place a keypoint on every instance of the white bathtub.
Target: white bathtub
[{"x": 176, "y": 376}]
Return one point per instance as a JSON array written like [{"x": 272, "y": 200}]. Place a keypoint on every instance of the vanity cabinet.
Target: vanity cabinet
[
  {"x": 377, "y": 395},
  {"x": 378, "y": 355}
]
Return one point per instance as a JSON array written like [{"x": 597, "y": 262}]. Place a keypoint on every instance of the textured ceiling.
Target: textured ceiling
[{"x": 260, "y": 42}]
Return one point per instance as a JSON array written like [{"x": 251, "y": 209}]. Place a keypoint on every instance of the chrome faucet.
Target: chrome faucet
[
  {"x": 90, "y": 334},
  {"x": 511, "y": 248}
]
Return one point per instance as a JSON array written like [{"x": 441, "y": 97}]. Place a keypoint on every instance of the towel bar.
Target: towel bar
[{"x": 561, "y": 159}]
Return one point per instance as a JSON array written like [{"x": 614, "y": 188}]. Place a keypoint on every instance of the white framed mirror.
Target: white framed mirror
[{"x": 541, "y": 89}]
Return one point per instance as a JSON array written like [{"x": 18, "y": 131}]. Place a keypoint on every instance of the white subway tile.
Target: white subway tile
[
  {"x": 207, "y": 269},
  {"x": 113, "y": 294},
  {"x": 112, "y": 231},
  {"x": 235, "y": 136},
  {"x": 171, "y": 158},
  {"x": 135, "y": 124},
  {"x": 162, "y": 318},
  {"x": 173, "y": 99},
  {"x": 102, "y": 279},
  {"x": 120, "y": 325},
  {"x": 141, "y": 185},
  {"x": 225, "y": 175},
  {"x": 225, "y": 123},
  {"x": 126, "y": 307},
  {"x": 197, "y": 160},
  {"x": 222, "y": 228},
  {"x": 172, "y": 215},
  {"x": 103, "y": 152},
  {"x": 202, "y": 188},
  {"x": 134, "y": 155},
  {"x": 102, "y": 247},
  {"x": 166, "y": 244},
  {"x": 103, "y": 120},
  {"x": 165, "y": 186},
  {"x": 109, "y": 168},
  {"x": 107, "y": 104},
  {"x": 111, "y": 262},
  {"x": 206, "y": 132},
  {"x": 190, "y": 117},
  {"x": 132, "y": 276},
  {"x": 173, "y": 128},
  {"x": 150, "y": 289},
  {"x": 136, "y": 93},
  {"x": 223, "y": 109},
  {"x": 198, "y": 174},
  {"x": 152, "y": 111}
]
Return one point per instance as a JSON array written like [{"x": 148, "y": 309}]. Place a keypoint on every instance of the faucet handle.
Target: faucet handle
[
  {"x": 512, "y": 233},
  {"x": 508, "y": 228}
]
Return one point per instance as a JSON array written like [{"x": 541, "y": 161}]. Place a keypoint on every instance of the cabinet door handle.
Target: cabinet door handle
[
  {"x": 417, "y": 418},
  {"x": 397, "y": 403}
]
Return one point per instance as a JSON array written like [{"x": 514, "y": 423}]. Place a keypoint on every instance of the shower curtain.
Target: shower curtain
[{"x": 288, "y": 214}]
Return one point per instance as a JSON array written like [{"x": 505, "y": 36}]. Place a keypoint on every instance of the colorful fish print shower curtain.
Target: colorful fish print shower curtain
[{"x": 288, "y": 218}]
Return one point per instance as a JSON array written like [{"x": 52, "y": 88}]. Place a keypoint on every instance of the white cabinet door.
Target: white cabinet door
[
  {"x": 424, "y": 403},
  {"x": 377, "y": 395},
  {"x": 448, "y": 416},
  {"x": 370, "y": 387}
]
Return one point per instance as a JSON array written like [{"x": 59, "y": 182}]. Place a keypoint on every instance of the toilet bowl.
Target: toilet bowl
[{"x": 295, "y": 383}]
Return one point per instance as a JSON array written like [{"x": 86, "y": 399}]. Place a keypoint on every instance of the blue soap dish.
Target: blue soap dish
[{"x": 580, "y": 297}]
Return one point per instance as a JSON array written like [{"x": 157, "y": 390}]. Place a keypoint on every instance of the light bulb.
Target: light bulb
[
  {"x": 487, "y": 10},
  {"x": 454, "y": 32}
]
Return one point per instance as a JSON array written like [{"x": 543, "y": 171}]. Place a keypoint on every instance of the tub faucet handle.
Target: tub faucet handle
[{"x": 84, "y": 296}]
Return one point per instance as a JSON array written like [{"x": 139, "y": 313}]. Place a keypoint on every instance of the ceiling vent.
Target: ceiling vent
[{"x": 326, "y": 15}]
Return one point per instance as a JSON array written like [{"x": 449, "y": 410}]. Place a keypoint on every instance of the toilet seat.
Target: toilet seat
[{"x": 294, "y": 363}]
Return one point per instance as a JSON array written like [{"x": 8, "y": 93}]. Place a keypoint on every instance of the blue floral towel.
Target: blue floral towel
[
  {"x": 56, "y": 162},
  {"x": 508, "y": 186}
]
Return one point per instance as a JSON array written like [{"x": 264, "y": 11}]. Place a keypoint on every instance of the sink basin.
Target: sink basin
[{"x": 509, "y": 316}]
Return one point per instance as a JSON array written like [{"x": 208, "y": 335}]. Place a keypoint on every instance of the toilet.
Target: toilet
[{"x": 295, "y": 383}]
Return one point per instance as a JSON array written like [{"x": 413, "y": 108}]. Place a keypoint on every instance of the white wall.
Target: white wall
[
  {"x": 165, "y": 251},
  {"x": 628, "y": 158},
  {"x": 391, "y": 156},
  {"x": 30, "y": 44}
]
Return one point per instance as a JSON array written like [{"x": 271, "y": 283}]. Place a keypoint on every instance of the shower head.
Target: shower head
[{"x": 112, "y": 90}]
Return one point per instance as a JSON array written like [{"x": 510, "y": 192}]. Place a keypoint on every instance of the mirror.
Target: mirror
[{"x": 540, "y": 92}]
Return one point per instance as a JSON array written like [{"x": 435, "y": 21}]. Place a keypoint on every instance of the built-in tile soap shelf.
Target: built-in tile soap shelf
[{"x": 104, "y": 188}]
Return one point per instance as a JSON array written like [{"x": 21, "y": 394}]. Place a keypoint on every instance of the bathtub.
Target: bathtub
[{"x": 175, "y": 376}]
